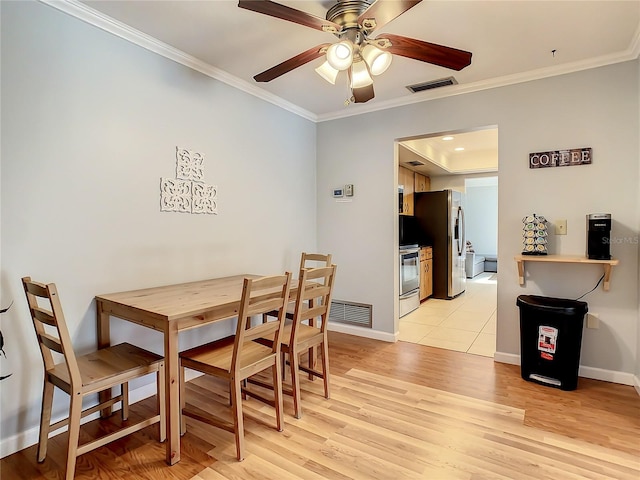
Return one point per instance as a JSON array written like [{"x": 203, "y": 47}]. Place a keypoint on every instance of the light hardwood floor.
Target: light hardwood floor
[{"x": 398, "y": 410}]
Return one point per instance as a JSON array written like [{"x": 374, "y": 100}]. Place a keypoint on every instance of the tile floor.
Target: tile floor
[{"x": 465, "y": 324}]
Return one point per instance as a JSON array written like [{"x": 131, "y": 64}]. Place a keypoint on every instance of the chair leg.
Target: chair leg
[
  {"x": 124, "y": 389},
  {"x": 75, "y": 413},
  {"x": 294, "y": 362},
  {"x": 244, "y": 385},
  {"x": 238, "y": 421},
  {"x": 45, "y": 420},
  {"x": 312, "y": 362},
  {"x": 324, "y": 354},
  {"x": 277, "y": 395},
  {"x": 162, "y": 402},
  {"x": 183, "y": 402},
  {"x": 283, "y": 368}
]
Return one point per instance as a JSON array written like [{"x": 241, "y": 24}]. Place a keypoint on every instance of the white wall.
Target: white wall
[
  {"x": 569, "y": 111},
  {"x": 637, "y": 375},
  {"x": 480, "y": 201},
  {"x": 481, "y": 218},
  {"x": 90, "y": 123}
]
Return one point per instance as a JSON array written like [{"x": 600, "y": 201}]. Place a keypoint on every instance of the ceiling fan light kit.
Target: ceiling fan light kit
[
  {"x": 360, "y": 75},
  {"x": 340, "y": 55},
  {"x": 353, "y": 21},
  {"x": 327, "y": 72},
  {"x": 377, "y": 60}
]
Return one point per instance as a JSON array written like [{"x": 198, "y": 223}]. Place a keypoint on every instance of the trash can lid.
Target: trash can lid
[{"x": 556, "y": 305}]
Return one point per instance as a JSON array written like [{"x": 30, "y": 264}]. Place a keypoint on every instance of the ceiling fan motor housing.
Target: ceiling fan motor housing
[{"x": 346, "y": 12}]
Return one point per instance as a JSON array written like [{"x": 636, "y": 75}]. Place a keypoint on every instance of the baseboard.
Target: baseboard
[
  {"x": 29, "y": 437},
  {"x": 509, "y": 358},
  {"x": 594, "y": 373},
  {"x": 361, "y": 332}
]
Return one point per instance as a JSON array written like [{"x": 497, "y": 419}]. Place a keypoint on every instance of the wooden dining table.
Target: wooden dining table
[{"x": 172, "y": 309}]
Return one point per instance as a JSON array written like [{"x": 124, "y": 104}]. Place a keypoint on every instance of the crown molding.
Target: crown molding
[
  {"x": 119, "y": 29},
  {"x": 93, "y": 17},
  {"x": 631, "y": 54}
]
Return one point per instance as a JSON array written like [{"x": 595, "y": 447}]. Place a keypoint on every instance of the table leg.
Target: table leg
[
  {"x": 172, "y": 388},
  {"x": 104, "y": 340}
]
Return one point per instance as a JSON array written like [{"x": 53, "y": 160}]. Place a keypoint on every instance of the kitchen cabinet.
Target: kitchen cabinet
[
  {"x": 406, "y": 180},
  {"x": 422, "y": 183},
  {"x": 426, "y": 272}
]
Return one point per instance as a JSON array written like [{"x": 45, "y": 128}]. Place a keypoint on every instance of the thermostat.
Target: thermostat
[{"x": 338, "y": 193}]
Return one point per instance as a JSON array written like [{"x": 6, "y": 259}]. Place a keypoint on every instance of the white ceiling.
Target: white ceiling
[
  {"x": 451, "y": 153},
  {"x": 511, "y": 41}
]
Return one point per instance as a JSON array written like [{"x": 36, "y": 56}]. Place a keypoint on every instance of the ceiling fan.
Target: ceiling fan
[{"x": 353, "y": 22}]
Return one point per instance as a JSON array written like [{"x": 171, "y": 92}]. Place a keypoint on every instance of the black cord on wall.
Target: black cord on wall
[{"x": 601, "y": 278}]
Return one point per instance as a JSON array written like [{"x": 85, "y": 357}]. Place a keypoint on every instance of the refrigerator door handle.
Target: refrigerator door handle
[
  {"x": 459, "y": 231},
  {"x": 462, "y": 244}
]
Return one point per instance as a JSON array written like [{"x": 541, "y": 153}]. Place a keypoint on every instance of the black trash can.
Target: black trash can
[{"x": 550, "y": 340}]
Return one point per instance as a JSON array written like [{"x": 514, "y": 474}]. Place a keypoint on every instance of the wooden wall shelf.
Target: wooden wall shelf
[{"x": 606, "y": 264}]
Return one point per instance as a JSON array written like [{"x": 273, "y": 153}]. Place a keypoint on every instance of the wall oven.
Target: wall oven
[{"x": 409, "y": 278}]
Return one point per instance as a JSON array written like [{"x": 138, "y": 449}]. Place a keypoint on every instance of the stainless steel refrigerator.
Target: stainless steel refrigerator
[{"x": 440, "y": 220}]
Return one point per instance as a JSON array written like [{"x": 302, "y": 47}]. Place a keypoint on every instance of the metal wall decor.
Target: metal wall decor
[{"x": 187, "y": 193}]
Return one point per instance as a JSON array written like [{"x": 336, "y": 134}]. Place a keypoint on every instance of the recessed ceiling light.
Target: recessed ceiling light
[
  {"x": 459, "y": 149},
  {"x": 446, "y": 139}
]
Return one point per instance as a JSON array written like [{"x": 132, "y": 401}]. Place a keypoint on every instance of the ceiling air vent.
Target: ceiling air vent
[
  {"x": 421, "y": 87},
  {"x": 415, "y": 163}
]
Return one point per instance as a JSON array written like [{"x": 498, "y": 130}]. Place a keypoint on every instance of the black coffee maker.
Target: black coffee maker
[{"x": 599, "y": 236}]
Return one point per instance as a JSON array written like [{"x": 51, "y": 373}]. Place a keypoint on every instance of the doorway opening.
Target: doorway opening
[{"x": 466, "y": 323}]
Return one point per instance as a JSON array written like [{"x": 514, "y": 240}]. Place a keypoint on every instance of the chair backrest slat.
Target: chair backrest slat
[
  {"x": 260, "y": 306},
  {"x": 37, "y": 289},
  {"x": 315, "y": 289},
  {"x": 51, "y": 343},
  {"x": 313, "y": 312},
  {"x": 260, "y": 296},
  {"x": 314, "y": 260},
  {"x": 44, "y": 316},
  {"x": 59, "y": 340}
]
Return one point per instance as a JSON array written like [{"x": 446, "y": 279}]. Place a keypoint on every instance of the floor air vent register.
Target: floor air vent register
[{"x": 351, "y": 313}]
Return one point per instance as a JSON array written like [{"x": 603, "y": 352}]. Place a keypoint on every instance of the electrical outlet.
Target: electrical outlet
[
  {"x": 561, "y": 227},
  {"x": 593, "y": 320}
]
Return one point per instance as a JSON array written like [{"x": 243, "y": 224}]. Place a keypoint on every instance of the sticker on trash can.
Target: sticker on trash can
[{"x": 547, "y": 337}]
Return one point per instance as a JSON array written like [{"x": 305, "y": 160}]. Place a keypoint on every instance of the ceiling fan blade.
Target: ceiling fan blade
[
  {"x": 362, "y": 94},
  {"x": 428, "y": 52},
  {"x": 382, "y": 12},
  {"x": 294, "y": 62},
  {"x": 283, "y": 12}
]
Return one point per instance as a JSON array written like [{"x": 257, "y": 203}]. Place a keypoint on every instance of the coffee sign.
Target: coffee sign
[{"x": 560, "y": 158}]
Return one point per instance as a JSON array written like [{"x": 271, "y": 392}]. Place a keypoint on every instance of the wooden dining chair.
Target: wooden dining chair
[
  {"x": 307, "y": 260},
  {"x": 313, "y": 302},
  {"x": 81, "y": 375},
  {"x": 238, "y": 357}
]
